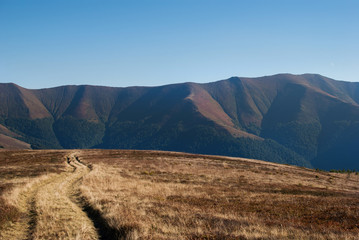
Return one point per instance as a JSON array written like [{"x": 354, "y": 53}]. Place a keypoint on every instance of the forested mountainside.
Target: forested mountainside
[{"x": 307, "y": 120}]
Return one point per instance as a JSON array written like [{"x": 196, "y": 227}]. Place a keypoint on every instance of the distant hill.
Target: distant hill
[{"x": 307, "y": 120}]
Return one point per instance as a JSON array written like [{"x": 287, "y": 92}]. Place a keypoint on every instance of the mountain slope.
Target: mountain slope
[{"x": 307, "y": 120}]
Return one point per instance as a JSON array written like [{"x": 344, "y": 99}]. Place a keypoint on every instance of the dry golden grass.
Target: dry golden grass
[
  {"x": 157, "y": 195},
  {"x": 58, "y": 216},
  {"x": 163, "y": 195},
  {"x": 19, "y": 170},
  {"x": 46, "y": 205}
]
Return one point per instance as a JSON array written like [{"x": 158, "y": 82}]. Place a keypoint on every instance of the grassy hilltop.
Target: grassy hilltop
[{"x": 117, "y": 194}]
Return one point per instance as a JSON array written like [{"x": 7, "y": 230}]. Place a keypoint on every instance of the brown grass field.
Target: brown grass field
[{"x": 122, "y": 194}]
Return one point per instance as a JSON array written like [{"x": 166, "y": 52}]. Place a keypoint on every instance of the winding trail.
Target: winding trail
[{"x": 52, "y": 208}]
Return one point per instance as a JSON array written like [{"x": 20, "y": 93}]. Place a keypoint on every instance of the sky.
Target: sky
[{"x": 124, "y": 43}]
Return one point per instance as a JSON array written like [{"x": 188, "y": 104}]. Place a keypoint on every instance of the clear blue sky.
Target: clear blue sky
[{"x": 155, "y": 42}]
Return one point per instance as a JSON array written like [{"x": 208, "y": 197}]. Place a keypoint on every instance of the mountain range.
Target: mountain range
[{"x": 307, "y": 120}]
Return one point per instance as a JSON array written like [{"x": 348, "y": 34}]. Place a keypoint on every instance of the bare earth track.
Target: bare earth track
[{"x": 52, "y": 209}]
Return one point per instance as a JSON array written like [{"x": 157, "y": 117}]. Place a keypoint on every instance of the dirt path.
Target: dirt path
[{"x": 52, "y": 208}]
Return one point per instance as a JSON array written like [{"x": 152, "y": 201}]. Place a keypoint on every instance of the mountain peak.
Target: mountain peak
[{"x": 307, "y": 119}]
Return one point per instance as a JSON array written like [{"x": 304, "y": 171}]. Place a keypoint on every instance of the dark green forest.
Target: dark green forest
[{"x": 306, "y": 120}]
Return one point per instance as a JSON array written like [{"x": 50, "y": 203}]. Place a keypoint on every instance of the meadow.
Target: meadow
[{"x": 127, "y": 194}]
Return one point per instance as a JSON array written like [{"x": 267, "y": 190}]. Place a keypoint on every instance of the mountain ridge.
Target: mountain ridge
[{"x": 297, "y": 119}]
